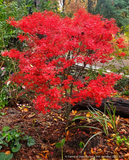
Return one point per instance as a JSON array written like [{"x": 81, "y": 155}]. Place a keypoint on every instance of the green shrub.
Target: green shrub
[
  {"x": 8, "y": 34},
  {"x": 12, "y": 139}
]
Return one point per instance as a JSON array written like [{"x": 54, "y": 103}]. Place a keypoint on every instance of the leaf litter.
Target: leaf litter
[{"x": 49, "y": 129}]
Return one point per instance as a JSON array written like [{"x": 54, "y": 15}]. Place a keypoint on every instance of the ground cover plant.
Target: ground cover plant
[
  {"x": 12, "y": 138},
  {"x": 48, "y": 66}
]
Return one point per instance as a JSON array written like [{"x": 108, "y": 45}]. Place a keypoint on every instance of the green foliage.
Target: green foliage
[
  {"x": 103, "y": 119},
  {"x": 8, "y": 37},
  {"x": 121, "y": 84},
  {"x": 18, "y": 9},
  {"x": 48, "y": 5},
  {"x": 8, "y": 34},
  {"x": 12, "y": 138},
  {"x": 117, "y": 9},
  {"x": 112, "y": 115},
  {"x": 126, "y": 93},
  {"x": 2, "y": 114},
  {"x": 3, "y": 99},
  {"x": 60, "y": 145},
  {"x": 43, "y": 5},
  {"x": 81, "y": 144},
  {"x": 30, "y": 140},
  {"x": 119, "y": 140},
  {"x": 3, "y": 156},
  {"x": 84, "y": 126}
]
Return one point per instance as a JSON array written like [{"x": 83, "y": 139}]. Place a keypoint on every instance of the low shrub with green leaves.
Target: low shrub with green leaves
[
  {"x": 8, "y": 34},
  {"x": 12, "y": 139},
  {"x": 17, "y": 9},
  {"x": 3, "y": 156}
]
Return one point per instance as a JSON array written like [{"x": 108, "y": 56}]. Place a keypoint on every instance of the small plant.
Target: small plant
[
  {"x": 12, "y": 138},
  {"x": 112, "y": 115},
  {"x": 119, "y": 140},
  {"x": 126, "y": 93},
  {"x": 81, "y": 144},
  {"x": 60, "y": 145},
  {"x": 103, "y": 119}
]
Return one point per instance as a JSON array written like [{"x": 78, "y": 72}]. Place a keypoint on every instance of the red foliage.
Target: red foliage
[{"x": 55, "y": 45}]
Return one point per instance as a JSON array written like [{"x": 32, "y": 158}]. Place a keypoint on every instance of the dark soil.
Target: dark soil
[{"x": 51, "y": 128}]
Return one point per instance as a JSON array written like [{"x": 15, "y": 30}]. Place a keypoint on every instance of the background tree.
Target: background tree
[{"x": 117, "y": 9}]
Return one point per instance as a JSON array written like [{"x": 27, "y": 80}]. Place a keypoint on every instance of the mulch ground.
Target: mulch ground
[{"x": 51, "y": 128}]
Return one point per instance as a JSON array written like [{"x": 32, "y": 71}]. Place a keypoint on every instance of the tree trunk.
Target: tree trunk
[{"x": 122, "y": 105}]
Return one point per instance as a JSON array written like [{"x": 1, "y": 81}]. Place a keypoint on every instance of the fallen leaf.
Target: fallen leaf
[
  {"x": 126, "y": 155},
  {"x": 41, "y": 155},
  {"x": 116, "y": 156},
  {"x": 46, "y": 155},
  {"x": 45, "y": 151},
  {"x": 126, "y": 119},
  {"x": 74, "y": 112},
  {"x": 92, "y": 151},
  {"x": 56, "y": 130},
  {"x": 53, "y": 144},
  {"x": 103, "y": 158},
  {"x": 20, "y": 107},
  {"x": 67, "y": 135},
  {"x": 110, "y": 144},
  {"x": 100, "y": 152},
  {"x": 7, "y": 152},
  {"x": 113, "y": 135},
  {"x": 44, "y": 147},
  {"x": 37, "y": 156},
  {"x": 55, "y": 119},
  {"x": 61, "y": 118},
  {"x": 23, "y": 117},
  {"x": 123, "y": 131},
  {"x": 25, "y": 110},
  {"x": 117, "y": 149},
  {"x": 88, "y": 114},
  {"x": 110, "y": 125},
  {"x": 31, "y": 115},
  {"x": 117, "y": 120},
  {"x": 88, "y": 120},
  {"x": 124, "y": 149},
  {"x": 84, "y": 154}
]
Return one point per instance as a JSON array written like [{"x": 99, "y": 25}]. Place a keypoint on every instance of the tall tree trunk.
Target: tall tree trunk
[
  {"x": 90, "y": 4},
  {"x": 63, "y": 7}
]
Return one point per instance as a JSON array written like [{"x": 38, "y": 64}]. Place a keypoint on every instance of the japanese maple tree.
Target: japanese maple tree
[{"x": 55, "y": 46}]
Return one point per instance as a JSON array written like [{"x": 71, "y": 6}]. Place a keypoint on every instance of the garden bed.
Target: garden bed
[{"x": 51, "y": 128}]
